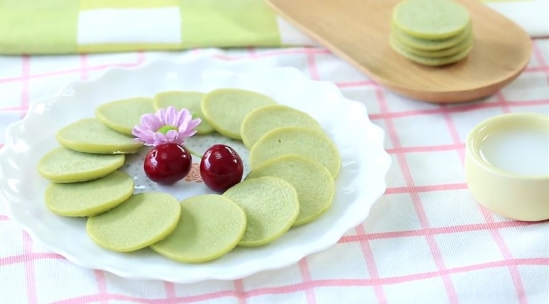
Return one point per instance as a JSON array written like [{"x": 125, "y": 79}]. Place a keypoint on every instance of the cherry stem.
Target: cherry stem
[{"x": 194, "y": 153}]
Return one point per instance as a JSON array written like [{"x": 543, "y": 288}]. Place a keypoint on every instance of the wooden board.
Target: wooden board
[{"x": 358, "y": 32}]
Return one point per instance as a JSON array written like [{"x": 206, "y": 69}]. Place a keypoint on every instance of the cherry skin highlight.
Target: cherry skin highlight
[
  {"x": 167, "y": 163},
  {"x": 221, "y": 168}
]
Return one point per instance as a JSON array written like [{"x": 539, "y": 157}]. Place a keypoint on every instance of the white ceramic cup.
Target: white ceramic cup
[{"x": 509, "y": 192}]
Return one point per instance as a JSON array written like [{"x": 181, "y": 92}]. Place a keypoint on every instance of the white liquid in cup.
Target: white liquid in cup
[{"x": 523, "y": 151}]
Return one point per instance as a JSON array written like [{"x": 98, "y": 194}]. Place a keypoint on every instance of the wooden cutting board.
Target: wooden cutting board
[{"x": 358, "y": 32}]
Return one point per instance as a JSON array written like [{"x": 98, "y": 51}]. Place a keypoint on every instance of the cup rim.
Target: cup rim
[{"x": 473, "y": 151}]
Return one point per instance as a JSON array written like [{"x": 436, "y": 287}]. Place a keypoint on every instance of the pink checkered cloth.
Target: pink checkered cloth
[{"x": 426, "y": 240}]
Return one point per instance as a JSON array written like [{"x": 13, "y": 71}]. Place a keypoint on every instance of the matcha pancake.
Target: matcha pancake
[
  {"x": 210, "y": 226},
  {"x": 140, "y": 221},
  {"x": 225, "y": 109},
  {"x": 62, "y": 165},
  {"x": 458, "y": 48},
  {"x": 185, "y": 100},
  {"x": 314, "y": 185},
  {"x": 431, "y": 45},
  {"x": 265, "y": 119},
  {"x": 271, "y": 206},
  {"x": 310, "y": 144},
  {"x": 91, "y": 197},
  {"x": 123, "y": 115},
  {"x": 433, "y": 61},
  {"x": 430, "y": 19},
  {"x": 91, "y": 136}
]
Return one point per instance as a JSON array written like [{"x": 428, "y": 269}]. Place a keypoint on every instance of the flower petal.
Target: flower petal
[
  {"x": 187, "y": 134},
  {"x": 172, "y": 135},
  {"x": 193, "y": 124},
  {"x": 178, "y": 117},
  {"x": 161, "y": 115},
  {"x": 185, "y": 120},
  {"x": 182, "y": 117},
  {"x": 159, "y": 138},
  {"x": 151, "y": 122},
  {"x": 139, "y": 129},
  {"x": 169, "y": 116},
  {"x": 149, "y": 141},
  {"x": 143, "y": 134}
]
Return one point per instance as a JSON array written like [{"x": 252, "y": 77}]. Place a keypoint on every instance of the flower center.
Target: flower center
[{"x": 165, "y": 129}]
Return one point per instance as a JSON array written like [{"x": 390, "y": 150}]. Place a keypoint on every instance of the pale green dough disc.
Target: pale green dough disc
[
  {"x": 264, "y": 119},
  {"x": 91, "y": 136},
  {"x": 140, "y": 221},
  {"x": 314, "y": 185},
  {"x": 210, "y": 226},
  {"x": 91, "y": 197},
  {"x": 185, "y": 100},
  {"x": 123, "y": 115},
  {"x": 432, "y": 61},
  {"x": 225, "y": 109},
  {"x": 456, "y": 49},
  {"x": 271, "y": 206},
  {"x": 431, "y": 19},
  {"x": 310, "y": 144},
  {"x": 431, "y": 45},
  {"x": 62, "y": 165}
]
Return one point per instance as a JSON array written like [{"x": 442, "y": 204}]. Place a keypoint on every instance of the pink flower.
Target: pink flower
[{"x": 166, "y": 125}]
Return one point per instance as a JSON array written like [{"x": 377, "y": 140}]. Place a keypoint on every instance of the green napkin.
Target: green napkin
[{"x": 69, "y": 26}]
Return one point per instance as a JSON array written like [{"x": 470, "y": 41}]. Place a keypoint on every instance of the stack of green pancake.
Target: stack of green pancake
[{"x": 431, "y": 32}]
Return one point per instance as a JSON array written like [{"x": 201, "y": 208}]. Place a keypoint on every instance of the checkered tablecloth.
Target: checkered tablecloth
[{"x": 426, "y": 240}]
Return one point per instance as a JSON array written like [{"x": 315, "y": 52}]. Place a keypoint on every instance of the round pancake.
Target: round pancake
[
  {"x": 271, "y": 206},
  {"x": 313, "y": 183},
  {"x": 91, "y": 136},
  {"x": 140, "y": 221},
  {"x": 123, "y": 115},
  {"x": 260, "y": 121},
  {"x": 456, "y": 49},
  {"x": 62, "y": 165},
  {"x": 431, "y": 45},
  {"x": 310, "y": 144},
  {"x": 185, "y": 100},
  {"x": 430, "y": 19},
  {"x": 225, "y": 109},
  {"x": 432, "y": 61},
  {"x": 210, "y": 226},
  {"x": 91, "y": 197}
]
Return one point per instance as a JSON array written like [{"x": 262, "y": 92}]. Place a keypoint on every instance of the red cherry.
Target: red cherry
[
  {"x": 221, "y": 168},
  {"x": 167, "y": 163}
]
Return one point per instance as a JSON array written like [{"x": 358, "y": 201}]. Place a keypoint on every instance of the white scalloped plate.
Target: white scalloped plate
[{"x": 360, "y": 183}]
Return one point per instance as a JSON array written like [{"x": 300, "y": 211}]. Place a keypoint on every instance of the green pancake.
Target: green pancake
[
  {"x": 123, "y": 115},
  {"x": 271, "y": 206},
  {"x": 262, "y": 120},
  {"x": 210, "y": 226},
  {"x": 314, "y": 185},
  {"x": 431, "y": 19},
  {"x": 225, "y": 109},
  {"x": 310, "y": 144},
  {"x": 91, "y": 136},
  {"x": 140, "y": 221},
  {"x": 432, "y": 61},
  {"x": 185, "y": 100},
  {"x": 91, "y": 197},
  {"x": 459, "y": 48},
  {"x": 431, "y": 45},
  {"x": 62, "y": 165}
]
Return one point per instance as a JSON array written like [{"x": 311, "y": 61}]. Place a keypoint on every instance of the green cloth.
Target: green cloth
[{"x": 53, "y": 26}]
